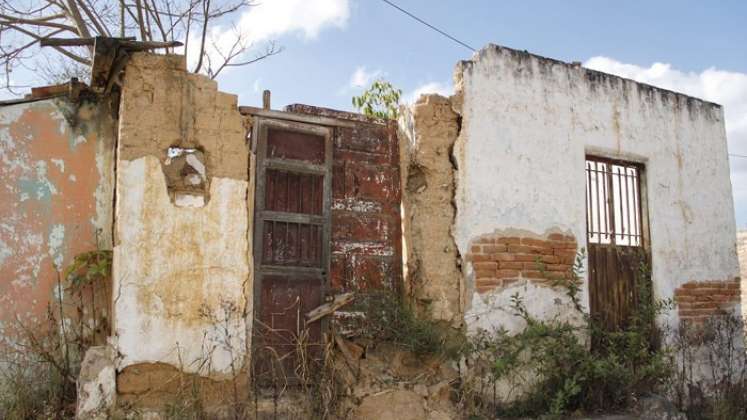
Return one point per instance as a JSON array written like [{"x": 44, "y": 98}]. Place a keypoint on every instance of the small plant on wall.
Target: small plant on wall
[
  {"x": 380, "y": 100},
  {"x": 88, "y": 278}
]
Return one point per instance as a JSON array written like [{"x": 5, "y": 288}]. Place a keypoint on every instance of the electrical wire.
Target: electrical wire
[
  {"x": 429, "y": 25},
  {"x": 388, "y": 2}
]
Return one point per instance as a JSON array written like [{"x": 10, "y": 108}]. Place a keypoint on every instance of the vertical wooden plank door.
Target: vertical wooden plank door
[
  {"x": 616, "y": 236},
  {"x": 291, "y": 243}
]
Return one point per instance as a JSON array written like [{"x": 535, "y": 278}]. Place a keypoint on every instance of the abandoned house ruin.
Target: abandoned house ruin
[{"x": 252, "y": 218}]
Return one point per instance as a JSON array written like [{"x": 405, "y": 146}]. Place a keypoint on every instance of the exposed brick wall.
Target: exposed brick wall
[
  {"x": 366, "y": 239},
  {"x": 499, "y": 260},
  {"x": 696, "y": 301}
]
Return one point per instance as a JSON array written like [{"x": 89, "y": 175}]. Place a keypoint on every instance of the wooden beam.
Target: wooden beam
[
  {"x": 291, "y": 116},
  {"x": 128, "y": 43},
  {"x": 328, "y": 308}
]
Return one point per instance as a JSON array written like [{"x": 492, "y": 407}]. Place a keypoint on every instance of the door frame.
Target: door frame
[{"x": 642, "y": 213}]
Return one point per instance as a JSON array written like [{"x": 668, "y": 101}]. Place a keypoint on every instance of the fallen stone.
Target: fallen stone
[
  {"x": 97, "y": 381},
  {"x": 421, "y": 390},
  {"x": 440, "y": 391},
  {"x": 392, "y": 405}
]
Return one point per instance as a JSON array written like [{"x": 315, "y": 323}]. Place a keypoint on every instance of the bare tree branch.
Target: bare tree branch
[
  {"x": 45, "y": 22},
  {"x": 95, "y": 21},
  {"x": 206, "y": 18},
  {"x": 59, "y": 49},
  {"x": 74, "y": 14},
  {"x": 140, "y": 21},
  {"x": 158, "y": 23}
]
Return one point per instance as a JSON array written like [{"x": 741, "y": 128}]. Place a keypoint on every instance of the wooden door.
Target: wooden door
[
  {"x": 291, "y": 243},
  {"x": 616, "y": 236}
]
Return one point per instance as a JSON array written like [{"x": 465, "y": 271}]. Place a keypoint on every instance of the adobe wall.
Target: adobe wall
[
  {"x": 182, "y": 254},
  {"x": 432, "y": 266}
]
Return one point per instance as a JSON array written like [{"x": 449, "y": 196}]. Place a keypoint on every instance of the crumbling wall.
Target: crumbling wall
[
  {"x": 182, "y": 278},
  {"x": 513, "y": 261},
  {"x": 56, "y": 190},
  {"x": 432, "y": 262},
  {"x": 528, "y": 123},
  {"x": 699, "y": 300}
]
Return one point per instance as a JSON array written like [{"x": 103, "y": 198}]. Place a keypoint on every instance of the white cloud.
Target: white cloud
[
  {"x": 431, "y": 87},
  {"x": 361, "y": 78},
  {"x": 723, "y": 87},
  {"x": 270, "y": 19}
]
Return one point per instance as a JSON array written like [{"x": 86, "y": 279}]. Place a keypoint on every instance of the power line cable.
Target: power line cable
[
  {"x": 467, "y": 45},
  {"x": 429, "y": 25}
]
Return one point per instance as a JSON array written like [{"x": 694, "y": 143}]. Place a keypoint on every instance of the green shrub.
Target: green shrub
[
  {"x": 568, "y": 375},
  {"x": 389, "y": 319}
]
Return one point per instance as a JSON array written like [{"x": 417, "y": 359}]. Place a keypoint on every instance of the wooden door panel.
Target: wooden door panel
[
  {"x": 292, "y": 244},
  {"x": 285, "y": 300},
  {"x": 612, "y": 283},
  {"x": 291, "y": 192},
  {"x": 292, "y": 231},
  {"x": 295, "y": 145}
]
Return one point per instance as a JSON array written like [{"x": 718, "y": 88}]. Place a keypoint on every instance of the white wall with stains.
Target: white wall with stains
[
  {"x": 181, "y": 273},
  {"x": 177, "y": 271},
  {"x": 527, "y": 124}
]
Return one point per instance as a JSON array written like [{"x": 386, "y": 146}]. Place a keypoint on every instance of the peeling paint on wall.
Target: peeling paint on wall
[{"x": 56, "y": 183}]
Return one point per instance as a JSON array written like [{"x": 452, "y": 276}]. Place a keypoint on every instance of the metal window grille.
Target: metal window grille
[{"x": 613, "y": 202}]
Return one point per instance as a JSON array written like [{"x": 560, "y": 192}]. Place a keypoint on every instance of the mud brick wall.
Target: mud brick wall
[
  {"x": 366, "y": 196},
  {"x": 696, "y": 301},
  {"x": 499, "y": 260}
]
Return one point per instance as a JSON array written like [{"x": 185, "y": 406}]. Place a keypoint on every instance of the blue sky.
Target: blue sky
[
  {"x": 691, "y": 46},
  {"x": 696, "y": 47}
]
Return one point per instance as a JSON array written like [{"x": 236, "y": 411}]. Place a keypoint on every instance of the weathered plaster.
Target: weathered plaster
[
  {"x": 56, "y": 190},
  {"x": 432, "y": 270},
  {"x": 180, "y": 271},
  {"x": 170, "y": 262},
  {"x": 527, "y": 124}
]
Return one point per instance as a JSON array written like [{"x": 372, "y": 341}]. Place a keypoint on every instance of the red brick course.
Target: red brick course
[
  {"x": 499, "y": 260},
  {"x": 697, "y": 301}
]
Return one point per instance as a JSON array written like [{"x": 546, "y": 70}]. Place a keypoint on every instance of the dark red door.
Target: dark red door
[{"x": 291, "y": 242}]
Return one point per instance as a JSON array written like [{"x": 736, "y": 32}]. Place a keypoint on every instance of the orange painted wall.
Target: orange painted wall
[{"x": 56, "y": 171}]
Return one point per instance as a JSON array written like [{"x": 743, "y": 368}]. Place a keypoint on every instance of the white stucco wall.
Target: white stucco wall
[
  {"x": 173, "y": 263},
  {"x": 527, "y": 124}
]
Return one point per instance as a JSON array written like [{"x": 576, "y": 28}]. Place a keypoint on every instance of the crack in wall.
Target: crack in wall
[{"x": 433, "y": 270}]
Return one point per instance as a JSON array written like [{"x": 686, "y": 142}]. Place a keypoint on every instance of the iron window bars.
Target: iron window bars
[{"x": 613, "y": 202}]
